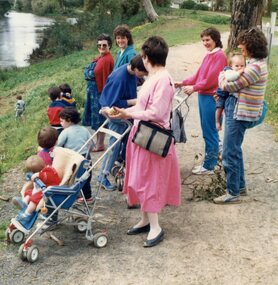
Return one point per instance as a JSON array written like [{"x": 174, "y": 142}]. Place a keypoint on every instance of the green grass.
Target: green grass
[
  {"x": 3, "y": 227},
  {"x": 272, "y": 90}
]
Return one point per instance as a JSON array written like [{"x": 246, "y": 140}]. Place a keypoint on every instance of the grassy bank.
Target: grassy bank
[{"x": 18, "y": 138}]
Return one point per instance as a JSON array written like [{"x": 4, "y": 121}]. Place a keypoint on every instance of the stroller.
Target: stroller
[
  {"x": 177, "y": 125},
  {"x": 74, "y": 170}
]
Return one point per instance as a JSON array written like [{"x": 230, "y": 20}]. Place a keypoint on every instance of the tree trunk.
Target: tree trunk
[
  {"x": 269, "y": 7},
  {"x": 245, "y": 14},
  {"x": 148, "y": 7}
]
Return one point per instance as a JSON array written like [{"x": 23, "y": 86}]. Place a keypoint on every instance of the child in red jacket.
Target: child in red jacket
[{"x": 48, "y": 175}]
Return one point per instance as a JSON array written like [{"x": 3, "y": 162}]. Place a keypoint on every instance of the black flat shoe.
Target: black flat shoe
[
  {"x": 136, "y": 231},
  {"x": 154, "y": 241}
]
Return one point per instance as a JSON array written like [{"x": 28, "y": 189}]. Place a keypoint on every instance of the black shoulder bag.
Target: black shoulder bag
[{"x": 153, "y": 137}]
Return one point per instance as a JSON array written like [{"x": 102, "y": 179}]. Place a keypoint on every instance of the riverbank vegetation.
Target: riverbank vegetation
[{"x": 18, "y": 137}]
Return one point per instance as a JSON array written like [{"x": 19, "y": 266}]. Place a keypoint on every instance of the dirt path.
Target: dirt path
[{"x": 205, "y": 243}]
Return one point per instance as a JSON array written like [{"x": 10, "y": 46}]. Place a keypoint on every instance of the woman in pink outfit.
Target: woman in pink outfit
[{"x": 151, "y": 180}]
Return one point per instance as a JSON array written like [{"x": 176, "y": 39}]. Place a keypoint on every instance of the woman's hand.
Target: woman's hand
[
  {"x": 119, "y": 114},
  {"x": 178, "y": 84},
  {"x": 188, "y": 89}
]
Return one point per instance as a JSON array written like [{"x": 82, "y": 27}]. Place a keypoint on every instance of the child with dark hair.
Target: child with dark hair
[
  {"x": 47, "y": 138},
  {"x": 55, "y": 108},
  {"x": 74, "y": 137},
  {"x": 19, "y": 106},
  {"x": 124, "y": 41},
  {"x": 66, "y": 96}
]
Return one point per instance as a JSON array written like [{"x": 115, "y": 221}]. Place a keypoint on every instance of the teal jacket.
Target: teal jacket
[{"x": 126, "y": 57}]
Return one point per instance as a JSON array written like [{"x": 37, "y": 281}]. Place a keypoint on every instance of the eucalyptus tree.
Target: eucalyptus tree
[{"x": 245, "y": 14}]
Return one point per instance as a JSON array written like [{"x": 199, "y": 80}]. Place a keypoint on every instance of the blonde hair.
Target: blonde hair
[
  {"x": 233, "y": 54},
  {"x": 34, "y": 163}
]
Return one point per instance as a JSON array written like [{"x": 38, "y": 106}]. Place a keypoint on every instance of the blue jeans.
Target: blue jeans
[
  {"x": 110, "y": 158},
  {"x": 232, "y": 157},
  {"x": 207, "y": 108}
]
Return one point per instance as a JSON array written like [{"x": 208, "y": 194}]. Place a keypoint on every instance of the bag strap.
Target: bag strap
[{"x": 170, "y": 113}]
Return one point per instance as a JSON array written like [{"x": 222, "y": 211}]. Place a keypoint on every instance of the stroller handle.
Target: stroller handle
[{"x": 37, "y": 181}]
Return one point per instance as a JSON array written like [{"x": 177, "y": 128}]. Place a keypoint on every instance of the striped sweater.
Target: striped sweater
[{"x": 251, "y": 87}]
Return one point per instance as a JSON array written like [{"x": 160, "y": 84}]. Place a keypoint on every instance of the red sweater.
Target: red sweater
[
  {"x": 205, "y": 80},
  {"x": 104, "y": 67}
]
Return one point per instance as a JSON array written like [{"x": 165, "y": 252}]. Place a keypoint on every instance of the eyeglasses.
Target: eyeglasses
[{"x": 102, "y": 45}]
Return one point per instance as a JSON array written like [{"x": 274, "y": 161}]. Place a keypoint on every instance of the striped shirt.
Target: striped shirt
[{"x": 251, "y": 87}]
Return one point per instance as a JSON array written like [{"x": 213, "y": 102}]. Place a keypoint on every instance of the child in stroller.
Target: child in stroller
[{"x": 49, "y": 176}]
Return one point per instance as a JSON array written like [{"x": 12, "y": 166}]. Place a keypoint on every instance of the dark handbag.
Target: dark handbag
[{"x": 153, "y": 138}]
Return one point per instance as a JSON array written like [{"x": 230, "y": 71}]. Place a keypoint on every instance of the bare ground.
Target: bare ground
[{"x": 204, "y": 244}]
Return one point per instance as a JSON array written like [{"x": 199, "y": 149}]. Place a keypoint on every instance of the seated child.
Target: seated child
[
  {"x": 19, "y": 106},
  {"x": 74, "y": 137},
  {"x": 48, "y": 175},
  {"x": 55, "y": 108},
  {"x": 66, "y": 96},
  {"x": 47, "y": 138},
  {"x": 232, "y": 73}
]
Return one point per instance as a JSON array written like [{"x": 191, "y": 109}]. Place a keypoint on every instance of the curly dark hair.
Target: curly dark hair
[
  {"x": 214, "y": 34},
  {"x": 70, "y": 114},
  {"x": 105, "y": 37},
  {"x": 156, "y": 49},
  {"x": 254, "y": 41},
  {"x": 47, "y": 137},
  {"x": 123, "y": 31}
]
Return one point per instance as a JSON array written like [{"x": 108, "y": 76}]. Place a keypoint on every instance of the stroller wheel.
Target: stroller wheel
[
  {"x": 81, "y": 225},
  {"x": 22, "y": 253},
  {"x": 17, "y": 236},
  {"x": 100, "y": 240},
  {"x": 32, "y": 253}
]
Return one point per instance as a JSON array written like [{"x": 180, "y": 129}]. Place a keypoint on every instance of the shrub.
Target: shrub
[
  {"x": 162, "y": 3},
  {"x": 189, "y": 4},
  {"x": 219, "y": 20},
  {"x": 58, "y": 40},
  {"x": 130, "y": 8},
  {"x": 201, "y": 7},
  {"x": 42, "y": 7}
]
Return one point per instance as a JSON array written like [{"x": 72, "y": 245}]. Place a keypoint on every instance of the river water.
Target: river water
[{"x": 20, "y": 33}]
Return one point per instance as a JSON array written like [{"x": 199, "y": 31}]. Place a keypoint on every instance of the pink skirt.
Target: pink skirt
[{"x": 151, "y": 180}]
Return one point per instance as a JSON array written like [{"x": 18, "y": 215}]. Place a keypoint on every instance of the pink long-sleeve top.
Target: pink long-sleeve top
[
  {"x": 205, "y": 80},
  {"x": 154, "y": 101}
]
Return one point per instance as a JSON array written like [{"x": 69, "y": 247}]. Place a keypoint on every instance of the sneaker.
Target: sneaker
[
  {"x": 243, "y": 191},
  {"x": 19, "y": 203},
  {"x": 226, "y": 199},
  {"x": 200, "y": 170},
  {"x": 81, "y": 200},
  {"x": 105, "y": 184}
]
